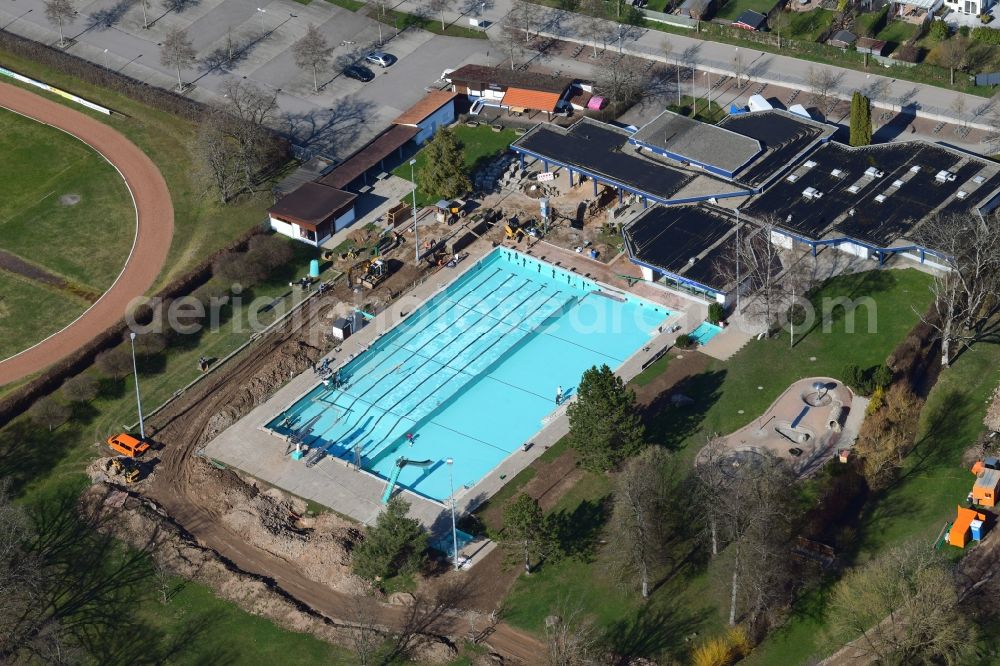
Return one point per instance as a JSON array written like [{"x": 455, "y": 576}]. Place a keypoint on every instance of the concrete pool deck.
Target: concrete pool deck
[{"x": 334, "y": 483}]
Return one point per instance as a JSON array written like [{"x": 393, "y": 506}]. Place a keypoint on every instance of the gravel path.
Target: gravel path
[{"x": 154, "y": 229}]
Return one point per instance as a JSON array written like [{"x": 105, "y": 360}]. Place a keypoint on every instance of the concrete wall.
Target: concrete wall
[
  {"x": 343, "y": 221},
  {"x": 440, "y": 118}
]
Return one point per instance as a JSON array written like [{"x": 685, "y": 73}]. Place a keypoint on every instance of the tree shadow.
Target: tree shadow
[
  {"x": 652, "y": 631},
  {"x": 28, "y": 451},
  {"x": 103, "y": 19},
  {"x": 668, "y": 422},
  {"x": 578, "y": 531},
  {"x": 332, "y": 130},
  {"x": 179, "y": 5},
  {"x": 219, "y": 58}
]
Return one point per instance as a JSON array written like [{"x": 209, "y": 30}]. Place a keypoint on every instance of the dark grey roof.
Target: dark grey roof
[
  {"x": 844, "y": 36},
  {"x": 504, "y": 77},
  {"x": 782, "y": 135},
  {"x": 698, "y": 141},
  {"x": 752, "y": 19}
]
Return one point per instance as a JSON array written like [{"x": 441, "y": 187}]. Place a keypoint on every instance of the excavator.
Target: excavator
[
  {"x": 129, "y": 470},
  {"x": 401, "y": 462}
]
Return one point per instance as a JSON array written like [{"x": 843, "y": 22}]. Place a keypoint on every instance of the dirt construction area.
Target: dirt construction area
[
  {"x": 154, "y": 229},
  {"x": 261, "y": 547}
]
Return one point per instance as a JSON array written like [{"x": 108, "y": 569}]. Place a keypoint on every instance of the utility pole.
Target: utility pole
[
  {"x": 138, "y": 400},
  {"x": 454, "y": 530},
  {"x": 416, "y": 243},
  {"x": 739, "y": 250}
]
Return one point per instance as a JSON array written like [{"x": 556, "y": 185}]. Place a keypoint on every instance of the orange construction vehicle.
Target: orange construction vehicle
[{"x": 127, "y": 445}]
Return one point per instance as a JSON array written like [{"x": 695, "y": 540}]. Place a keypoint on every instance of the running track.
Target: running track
[{"x": 154, "y": 229}]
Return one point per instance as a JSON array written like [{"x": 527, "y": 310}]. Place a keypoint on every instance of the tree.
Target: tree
[
  {"x": 778, "y": 22},
  {"x": 861, "y": 120},
  {"x": 217, "y": 152},
  {"x": 823, "y": 82},
  {"x": 754, "y": 262},
  {"x": 114, "y": 363},
  {"x": 444, "y": 172},
  {"x": 59, "y": 12},
  {"x": 439, "y": 7},
  {"x": 177, "y": 52},
  {"x": 525, "y": 532},
  {"x": 901, "y": 607},
  {"x": 50, "y": 412},
  {"x": 620, "y": 83},
  {"x": 604, "y": 426},
  {"x": 527, "y": 14},
  {"x": 508, "y": 38},
  {"x": 952, "y": 54},
  {"x": 312, "y": 51},
  {"x": 593, "y": 27},
  {"x": 250, "y": 109},
  {"x": 395, "y": 544},
  {"x": 640, "y": 521},
  {"x": 571, "y": 636},
  {"x": 81, "y": 388},
  {"x": 966, "y": 297}
]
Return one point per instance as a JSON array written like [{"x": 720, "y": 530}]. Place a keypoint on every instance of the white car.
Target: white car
[{"x": 379, "y": 58}]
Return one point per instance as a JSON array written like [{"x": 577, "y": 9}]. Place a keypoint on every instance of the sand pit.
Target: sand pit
[{"x": 806, "y": 425}]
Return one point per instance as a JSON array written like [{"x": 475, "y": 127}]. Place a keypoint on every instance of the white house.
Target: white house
[
  {"x": 972, "y": 7},
  {"x": 436, "y": 109},
  {"x": 312, "y": 213}
]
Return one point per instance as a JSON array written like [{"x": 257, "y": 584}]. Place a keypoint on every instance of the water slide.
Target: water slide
[{"x": 400, "y": 464}]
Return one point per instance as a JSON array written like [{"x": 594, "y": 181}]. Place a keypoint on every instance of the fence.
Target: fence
[
  {"x": 670, "y": 19},
  {"x": 57, "y": 91}
]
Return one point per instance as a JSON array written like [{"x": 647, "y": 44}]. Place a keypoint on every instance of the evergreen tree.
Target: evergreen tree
[
  {"x": 526, "y": 533},
  {"x": 861, "y": 120},
  {"x": 394, "y": 545},
  {"x": 443, "y": 172},
  {"x": 604, "y": 427}
]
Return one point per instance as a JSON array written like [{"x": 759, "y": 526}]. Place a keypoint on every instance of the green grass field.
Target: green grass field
[
  {"x": 808, "y": 26},
  {"x": 694, "y": 599},
  {"x": 479, "y": 146},
  {"x": 732, "y": 9},
  {"x": 85, "y": 243}
]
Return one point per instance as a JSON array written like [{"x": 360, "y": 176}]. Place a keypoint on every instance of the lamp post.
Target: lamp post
[
  {"x": 454, "y": 530},
  {"x": 416, "y": 243},
  {"x": 261, "y": 12},
  {"x": 738, "y": 251},
  {"x": 106, "y": 66},
  {"x": 138, "y": 400},
  {"x": 708, "y": 92}
]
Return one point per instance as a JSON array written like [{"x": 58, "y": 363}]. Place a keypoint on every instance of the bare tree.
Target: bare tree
[
  {"x": 50, "y": 412},
  {"x": 710, "y": 480},
  {"x": 508, "y": 39},
  {"x": 952, "y": 54},
  {"x": 366, "y": 635},
  {"x": 527, "y": 14},
  {"x": 217, "y": 150},
  {"x": 592, "y": 25},
  {"x": 641, "y": 514},
  {"x": 59, "y": 12},
  {"x": 753, "y": 266},
  {"x": 778, "y": 23},
  {"x": 966, "y": 296},
  {"x": 620, "y": 83},
  {"x": 901, "y": 608},
  {"x": 822, "y": 81},
  {"x": 376, "y": 8},
  {"x": 439, "y": 7},
  {"x": 145, "y": 18},
  {"x": 571, "y": 636},
  {"x": 312, "y": 51},
  {"x": 177, "y": 52},
  {"x": 81, "y": 388}
]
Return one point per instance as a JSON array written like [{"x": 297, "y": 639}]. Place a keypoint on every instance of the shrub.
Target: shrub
[
  {"x": 684, "y": 341},
  {"x": 114, "y": 363},
  {"x": 270, "y": 251},
  {"x": 239, "y": 267},
  {"x": 879, "y": 23},
  {"x": 715, "y": 313},
  {"x": 739, "y": 641},
  {"x": 713, "y": 652},
  {"x": 82, "y": 388},
  {"x": 854, "y": 377},
  {"x": 395, "y": 544},
  {"x": 939, "y": 30},
  {"x": 986, "y": 35},
  {"x": 49, "y": 412},
  {"x": 882, "y": 377},
  {"x": 876, "y": 401},
  {"x": 149, "y": 344},
  {"x": 907, "y": 53}
]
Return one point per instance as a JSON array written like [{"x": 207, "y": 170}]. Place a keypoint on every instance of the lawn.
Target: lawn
[
  {"x": 402, "y": 20},
  {"x": 706, "y": 112},
  {"x": 897, "y": 32},
  {"x": 732, "y": 9},
  {"x": 808, "y": 26},
  {"x": 479, "y": 146},
  {"x": 30, "y": 313},
  {"x": 933, "y": 482},
  {"x": 350, "y": 5},
  {"x": 693, "y": 598}
]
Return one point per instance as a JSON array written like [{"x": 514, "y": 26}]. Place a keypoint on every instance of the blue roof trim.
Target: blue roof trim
[{"x": 673, "y": 276}]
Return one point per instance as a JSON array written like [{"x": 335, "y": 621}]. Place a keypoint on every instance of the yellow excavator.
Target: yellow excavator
[{"x": 127, "y": 468}]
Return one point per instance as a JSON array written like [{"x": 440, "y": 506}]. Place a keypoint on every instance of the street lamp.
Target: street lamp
[
  {"x": 261, "y": 13},
  {"x": 416, "y": 243},
  {"x": 138, "y": 400},
  {"x": 454, "y": 530},
  {"x": 106, "y": 66}
]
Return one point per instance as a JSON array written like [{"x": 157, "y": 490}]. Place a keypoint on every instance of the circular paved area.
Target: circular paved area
[{"x": 154, "y": 229}]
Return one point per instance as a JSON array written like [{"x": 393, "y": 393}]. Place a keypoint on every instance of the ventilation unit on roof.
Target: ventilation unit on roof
[
  {"x": 872, "y": 172},
  {"x": 692, "y": 260},
  {"x": 914, "y": 169},
  {"x": 880, "y": 198},
  {"x": 812, "y": 193},
  {"x": 837, "y": 173},
  {"x": 897, "y": 183},
  {"x": 978, "y": 180},
  {"x": 792, "y": 177},
  {"x": 961, "y": 194},
  {"x": 853, "y": 189},
  {"x": 809, "y": 164},
  {"x": 945, "y": 176}
]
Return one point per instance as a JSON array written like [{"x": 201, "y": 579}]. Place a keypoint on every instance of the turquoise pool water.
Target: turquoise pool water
[
  {"x": 472, "y": 374},
  {"x": 705, "y": 332}
]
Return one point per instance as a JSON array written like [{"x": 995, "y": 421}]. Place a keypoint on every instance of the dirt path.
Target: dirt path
[
  {"x": 185, "y": 425},
  {"x": 154, "y": 229}
]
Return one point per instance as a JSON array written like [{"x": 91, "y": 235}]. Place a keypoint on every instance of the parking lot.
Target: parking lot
[{"x": 339, "y": 118}]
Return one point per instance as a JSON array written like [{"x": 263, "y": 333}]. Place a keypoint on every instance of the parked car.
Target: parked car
[
  {"x": 380, "y": 58},
  {"x": 359, "y": 73}
]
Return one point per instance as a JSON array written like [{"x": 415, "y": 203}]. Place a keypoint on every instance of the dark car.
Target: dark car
[{"x": 359, "y": 73}]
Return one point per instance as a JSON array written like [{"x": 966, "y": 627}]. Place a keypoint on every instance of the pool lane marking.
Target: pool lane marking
[{"x": 415, "y": 354}]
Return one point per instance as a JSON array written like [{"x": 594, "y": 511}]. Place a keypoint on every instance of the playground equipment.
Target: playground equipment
[
  {"x": 836, "y": 414},
  {"x": 401, "y": 462},
  {"x": 819, "y": 396},
  {"x": 127, "y": 445}
]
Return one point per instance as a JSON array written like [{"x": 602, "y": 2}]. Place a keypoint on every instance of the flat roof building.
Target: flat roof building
[{"x": 686, "y": 140}]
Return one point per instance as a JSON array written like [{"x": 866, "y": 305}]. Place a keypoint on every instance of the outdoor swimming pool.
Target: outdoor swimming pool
[
  {"x": 472, "y": 374},
  {"x": 705, "y": 332}
]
